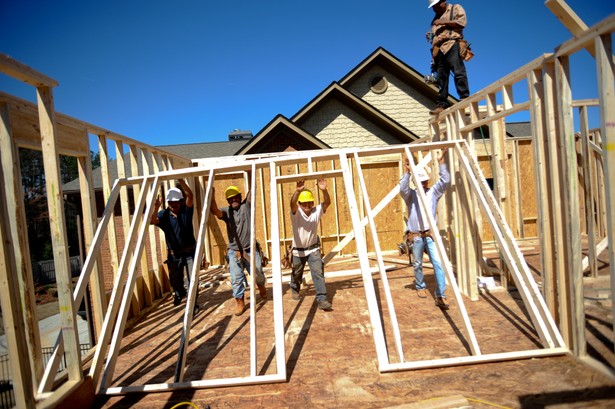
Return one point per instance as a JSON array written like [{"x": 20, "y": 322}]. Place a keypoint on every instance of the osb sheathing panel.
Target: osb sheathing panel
[
  {"x": 380, "y": 178},
  {"x": 527, "y": 181}
]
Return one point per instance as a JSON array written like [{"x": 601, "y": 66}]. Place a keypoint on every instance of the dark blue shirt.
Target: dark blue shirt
[{"x": 178, "y": 231}]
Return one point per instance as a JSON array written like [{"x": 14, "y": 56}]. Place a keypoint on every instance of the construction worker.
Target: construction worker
[
  {"x": 447, "y": 53},
  {"x": 418, "y": 231},
  {"x": 306, "y": 243},
  {"x": 237, "y": 216},
  {"x": 176, "y": 223}
]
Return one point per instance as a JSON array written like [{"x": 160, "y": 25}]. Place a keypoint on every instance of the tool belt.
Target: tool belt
[
  {"x": 420, "y": 234},
  {"x": 313, "y": 246},
  {"x": 182, "y": 252}
]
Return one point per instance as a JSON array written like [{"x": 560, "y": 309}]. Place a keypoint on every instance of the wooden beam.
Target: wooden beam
[
  {"x": 22, "y": 72},
  {"x": 569, "y": 19}
]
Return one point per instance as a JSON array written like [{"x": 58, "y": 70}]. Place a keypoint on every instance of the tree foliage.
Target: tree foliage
[{"x": 35, "y": 199}]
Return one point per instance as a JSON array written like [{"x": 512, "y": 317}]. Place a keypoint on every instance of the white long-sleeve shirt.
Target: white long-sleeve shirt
[{"x": 417, "y": 220}]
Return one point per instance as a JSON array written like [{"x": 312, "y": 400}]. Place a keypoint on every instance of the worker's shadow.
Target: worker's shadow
[{"x": 308, "y": 295}]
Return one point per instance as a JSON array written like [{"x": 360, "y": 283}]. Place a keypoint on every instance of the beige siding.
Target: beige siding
[
  {"x": 401, "y": 102},
  {"x": 340, "y": 127}
]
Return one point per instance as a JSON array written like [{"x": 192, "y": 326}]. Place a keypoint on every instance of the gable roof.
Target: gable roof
[
  {"x": 337, "y": 92},
  {"x": 207, "y": 149},
  {"x": 381, "y": 57},
  {"x": 281, "y": 135}
]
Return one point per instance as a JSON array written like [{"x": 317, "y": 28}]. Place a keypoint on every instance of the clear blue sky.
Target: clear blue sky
[{"x": 192, "y": 71}]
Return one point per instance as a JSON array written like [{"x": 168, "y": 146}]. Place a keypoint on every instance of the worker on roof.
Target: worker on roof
[
  {"x": 306, "y": 243},
  {"x": 418, "y": 231},
  {"x": 448, "y": 50},
  {"x": 176, "y": 223},
  {"x": 237, "y": 216}
]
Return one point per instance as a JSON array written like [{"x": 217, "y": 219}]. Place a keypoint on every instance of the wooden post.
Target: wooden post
[
  {"x": 12, "y": 313},
  {"x": 106, "y": 185},
  {"x": 19, "y": 236},
  {"x": 549, "y": 283},
  {"x": 570, "y": 286},
  {"x": 588, "y": 191},
  {"x": 88, "y": 206},
  {"x": 539, "y": 145},
  {"x": 57, "y": 223},
  {"x": 606, "y": 86}
]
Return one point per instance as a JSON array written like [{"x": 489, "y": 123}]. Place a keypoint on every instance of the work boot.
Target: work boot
[
  {"x": 262, "y": 290},
  {"x": 325, "y": 305},
  {"x": 421, "y": 292},
  {"x": 295, "y": 295},
  {"x": 436, "y": 110},
  {"x": 441, "y": 302},
  {"x": 177, "y": 299},
  {"x": 240, "y": 307}
]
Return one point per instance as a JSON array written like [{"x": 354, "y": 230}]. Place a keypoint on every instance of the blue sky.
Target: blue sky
[{"x": 192, "y": 71}]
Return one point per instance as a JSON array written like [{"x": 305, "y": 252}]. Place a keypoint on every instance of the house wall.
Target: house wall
[
  {"x": 341, "y": 127},
  {"x": 400, "y": 101}
]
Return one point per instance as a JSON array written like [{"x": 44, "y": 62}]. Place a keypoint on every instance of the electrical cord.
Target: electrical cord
[{"x": 186, "y": 403}]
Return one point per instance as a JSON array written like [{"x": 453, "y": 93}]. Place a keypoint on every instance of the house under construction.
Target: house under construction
[{"x": 549, "y": 188}]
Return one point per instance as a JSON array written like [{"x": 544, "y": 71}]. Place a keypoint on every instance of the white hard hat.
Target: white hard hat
[
  {"x": 174, "y": 195},
  {"x": 422, "y": 176},
  {"x": 432, "y": 3}
]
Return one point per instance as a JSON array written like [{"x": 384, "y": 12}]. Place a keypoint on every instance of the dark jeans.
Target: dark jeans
[
  {"x": 314, "y": 260},
  {"x": 177, "y": 266},
  {"x": 445, "y": 63}
]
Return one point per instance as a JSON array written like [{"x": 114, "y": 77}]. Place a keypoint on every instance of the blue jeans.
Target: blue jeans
[
  {"x": 177, "y": 266},
  {"x": 237, "y": 265},
  {"x": 314, "y": 259},
  {"x": 421, "y": 244}
]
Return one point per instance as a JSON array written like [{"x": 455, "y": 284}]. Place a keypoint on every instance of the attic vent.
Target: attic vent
[{"x": 378, "y": 84}]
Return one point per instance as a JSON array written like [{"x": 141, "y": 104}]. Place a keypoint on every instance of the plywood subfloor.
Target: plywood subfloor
[{"x": 331, "y": 360}]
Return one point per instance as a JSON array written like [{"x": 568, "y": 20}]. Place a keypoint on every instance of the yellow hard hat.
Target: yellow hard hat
[
  {"x": 305, "y": 196},
  {"x": 231, "y": 191}
]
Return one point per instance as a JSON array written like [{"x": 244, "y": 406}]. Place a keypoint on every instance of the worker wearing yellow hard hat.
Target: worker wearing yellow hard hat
[
  {"x": 238, "y": 229},
  {"x": 306, "y": 243}
]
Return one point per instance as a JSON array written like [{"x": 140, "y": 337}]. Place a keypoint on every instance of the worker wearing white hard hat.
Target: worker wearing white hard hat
[
  {"x": 176, "y": 223},
  {"x": 418, "y": 231},
  {"x": 237, "y": 217},
  {"x": 306, "y": 243}
]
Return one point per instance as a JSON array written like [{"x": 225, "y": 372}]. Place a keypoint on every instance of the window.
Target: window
[{"x": 378, "y": 84}]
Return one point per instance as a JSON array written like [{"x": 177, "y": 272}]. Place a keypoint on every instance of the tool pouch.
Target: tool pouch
[{"x": 465, "y": 50}]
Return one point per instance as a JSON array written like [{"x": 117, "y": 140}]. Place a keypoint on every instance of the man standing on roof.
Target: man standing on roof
[
  {"x": 237, "y": 216},
  {"x": 418, "y": 228},
  {"x": 176, "y": 223},
  {"x": 306, "y": 244},
  {"x": 445, "y": 33}
]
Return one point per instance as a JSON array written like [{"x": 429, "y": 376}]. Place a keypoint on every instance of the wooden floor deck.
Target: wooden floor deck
[{"x": 331, "y": 359}]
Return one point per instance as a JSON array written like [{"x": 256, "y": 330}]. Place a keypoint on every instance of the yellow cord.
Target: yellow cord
[{"x": 185, "y": 403}]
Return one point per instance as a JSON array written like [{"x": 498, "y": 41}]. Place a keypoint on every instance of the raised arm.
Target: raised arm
[
  {"x": 404, "y": 185},
  {"x": 294, "y": 200},
  {"x": 188, "y": 195},
  {"x": 322, "y": 185},
  {"x": 154, "y": 220}
]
